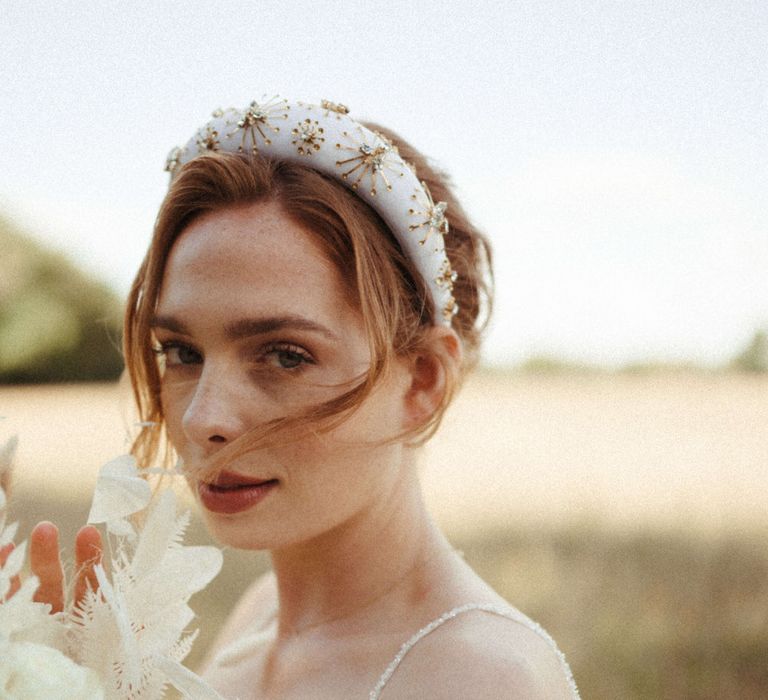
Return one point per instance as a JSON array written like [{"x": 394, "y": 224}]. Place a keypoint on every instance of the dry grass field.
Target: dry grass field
[{"x": 626, "y": 513}]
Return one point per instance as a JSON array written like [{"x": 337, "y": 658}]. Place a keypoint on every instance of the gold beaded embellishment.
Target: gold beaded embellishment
[
  {"x": 337, "y": 107},
  {"x": 257, "y": 118},
  {"x": 447, "y": 276},
  {"x": 450, "y": 309},
  {"x": 370, "y": 160},
  {"x": 432, "y": 215},
  {"x": 173, "y": 160},
  {"x": 207, "y": 140},
  {"x": 309, "y": 137}
]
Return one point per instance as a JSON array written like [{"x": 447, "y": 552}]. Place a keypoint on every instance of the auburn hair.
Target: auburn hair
[{"x": 393, "y": 300}]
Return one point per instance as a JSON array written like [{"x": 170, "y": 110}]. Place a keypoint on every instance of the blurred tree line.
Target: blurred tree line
[
  {"x": 754, "y": 357},
  {"x": 751, "y": 359},
  {"x": 57, "y": 324}
]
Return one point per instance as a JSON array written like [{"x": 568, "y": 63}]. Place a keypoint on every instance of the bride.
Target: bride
[{"x": 311, "y": 299}]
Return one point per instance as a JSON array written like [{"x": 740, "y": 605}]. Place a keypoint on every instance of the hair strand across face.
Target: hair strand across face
[{"x": 392, "y": 299}]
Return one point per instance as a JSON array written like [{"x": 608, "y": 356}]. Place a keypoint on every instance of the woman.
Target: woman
[{"x": 299, "y": 325}]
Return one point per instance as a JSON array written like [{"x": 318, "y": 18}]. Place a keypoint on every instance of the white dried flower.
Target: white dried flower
[
  {"x": 126, "y": 640},
  {"x": 132, "y": 630},
  {"x": 30, "y": 671}
]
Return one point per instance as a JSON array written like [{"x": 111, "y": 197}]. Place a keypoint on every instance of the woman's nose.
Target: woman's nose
[{"x": 216, "y": 414}]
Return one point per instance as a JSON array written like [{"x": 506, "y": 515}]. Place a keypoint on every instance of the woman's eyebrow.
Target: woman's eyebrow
[
  {"x": 168, "y": 323},
  {"x": 246, "y": 327},
  {"x": 257, "y": 326}
]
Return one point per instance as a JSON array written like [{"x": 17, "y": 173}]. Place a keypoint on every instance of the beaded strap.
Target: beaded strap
[{"x": 508, "y": 612}]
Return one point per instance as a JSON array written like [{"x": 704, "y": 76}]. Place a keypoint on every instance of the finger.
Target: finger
[
  {"x": 88, "y": 550},
  {"x": 5, "y": 552},
  {"x": 45, "y": 562}
]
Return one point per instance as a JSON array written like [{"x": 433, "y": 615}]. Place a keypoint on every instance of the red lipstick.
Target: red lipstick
[{"x": 233, "y": 493}]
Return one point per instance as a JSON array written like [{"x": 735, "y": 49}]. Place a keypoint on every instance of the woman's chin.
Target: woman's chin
[{"x": 239, "y": 533}]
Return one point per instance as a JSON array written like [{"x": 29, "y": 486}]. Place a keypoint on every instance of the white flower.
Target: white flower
[
  {"x": 30, "y": 671},
  {"x": 23, "y": 620},
  {"x": 127, "y": 639},
  {"x": 132, "y": 630}
]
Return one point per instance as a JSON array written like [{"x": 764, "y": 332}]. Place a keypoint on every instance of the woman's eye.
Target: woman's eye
[
  {"x": 178, "y": 354},
  {"x": 288, "y": 357}
]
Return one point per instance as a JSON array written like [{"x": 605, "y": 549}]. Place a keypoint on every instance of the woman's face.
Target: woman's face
[{"x": 255, "y": 325}]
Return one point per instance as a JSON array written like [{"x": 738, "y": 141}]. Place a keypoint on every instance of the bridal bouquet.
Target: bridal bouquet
[{"x": 126, "y": 639}]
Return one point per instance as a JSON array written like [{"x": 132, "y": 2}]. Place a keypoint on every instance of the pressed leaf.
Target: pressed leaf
[
  {"x": 119, "y": 492},
  {"x": 15, "y": 560},
  {"x": 158, "y": 533},
  {"x": 6, "y": 453},
  {"x": 186, "y": 682},
  {"x": 7, "y": 533}
]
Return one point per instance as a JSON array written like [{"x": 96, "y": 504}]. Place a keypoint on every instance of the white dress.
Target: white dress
[{"x": 508, "y": 612}]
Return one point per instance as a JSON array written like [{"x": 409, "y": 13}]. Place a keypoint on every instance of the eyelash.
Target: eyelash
[
  {"x": 163, "y": 350},
  {"x": 289, "y": 349},
  {"x": 304, "y": 357}
]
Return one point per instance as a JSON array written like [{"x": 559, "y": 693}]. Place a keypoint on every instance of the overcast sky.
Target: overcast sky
[{"x": 615, "y": 152}]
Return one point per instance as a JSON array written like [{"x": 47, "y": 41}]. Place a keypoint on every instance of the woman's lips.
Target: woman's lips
[{"x": 233, "y": 493}]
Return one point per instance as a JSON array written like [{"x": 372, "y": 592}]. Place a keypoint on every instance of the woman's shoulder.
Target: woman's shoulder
[{"x": 484, "y": 652}]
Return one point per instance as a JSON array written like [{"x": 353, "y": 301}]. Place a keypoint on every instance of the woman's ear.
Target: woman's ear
[{"x": 433, "y": 372}]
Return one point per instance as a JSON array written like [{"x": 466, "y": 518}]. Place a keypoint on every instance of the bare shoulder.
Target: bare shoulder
[
  {"x": 481, "y": 655},
  {"x": 255, "y": 606}
]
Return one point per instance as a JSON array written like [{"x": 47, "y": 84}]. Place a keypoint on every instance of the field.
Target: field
[{"x": 626, "y": 513}]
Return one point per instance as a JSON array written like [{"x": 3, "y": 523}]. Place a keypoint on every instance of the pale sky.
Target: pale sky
[{"x": 616, "y": 153}]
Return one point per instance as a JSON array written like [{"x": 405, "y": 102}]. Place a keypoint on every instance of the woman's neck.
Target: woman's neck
[{"x": 384, "y": 556}]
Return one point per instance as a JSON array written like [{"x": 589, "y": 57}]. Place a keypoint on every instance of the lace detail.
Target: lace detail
[{"x": 508, "y": 612}]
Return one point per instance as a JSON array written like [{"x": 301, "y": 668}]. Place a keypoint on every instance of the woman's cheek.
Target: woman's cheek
[{"x": 174, "y": 402}]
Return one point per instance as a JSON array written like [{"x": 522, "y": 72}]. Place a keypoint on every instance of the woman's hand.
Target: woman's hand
[{"x": 45, "y": 563}]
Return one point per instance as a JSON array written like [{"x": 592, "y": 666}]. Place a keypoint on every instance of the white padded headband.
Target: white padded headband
[{"x": 325, "y": 138}]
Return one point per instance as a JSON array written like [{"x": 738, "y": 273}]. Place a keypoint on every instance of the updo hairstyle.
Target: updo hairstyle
[{"x": 393, "y": 300}]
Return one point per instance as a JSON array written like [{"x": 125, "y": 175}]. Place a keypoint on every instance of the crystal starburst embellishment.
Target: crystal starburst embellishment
[
  {"x": 337, "y": 107},
  {"x": 173, "y": 160},
  {"x": 309, "y": 137},
  {"x": 207, "y": 140},
  {"x": 431, "y": 216},
  {"x": 257, "y": 122},
  {"x": 370, "y": 160},
  {"x": 447, "y": 276},
  {"x": 450, "y": 309}
]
